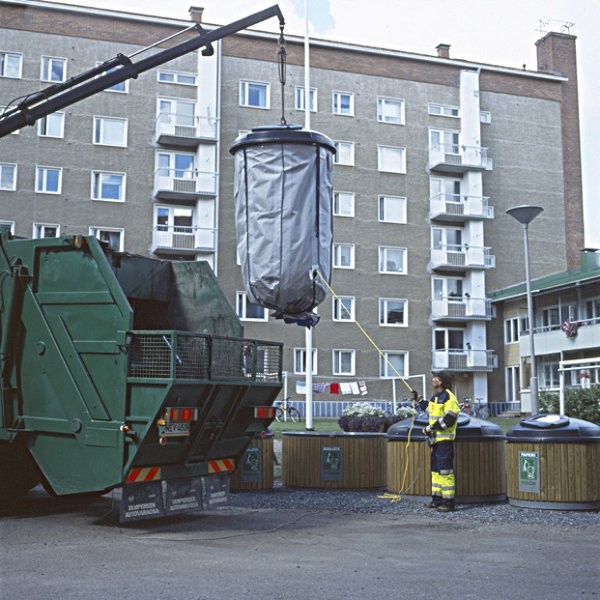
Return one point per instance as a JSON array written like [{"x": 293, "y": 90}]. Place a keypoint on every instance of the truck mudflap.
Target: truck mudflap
[{"x": 162, "y": 498}]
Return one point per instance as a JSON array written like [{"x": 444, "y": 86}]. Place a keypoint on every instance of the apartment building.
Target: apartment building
[{"x": 431, "y": 151}]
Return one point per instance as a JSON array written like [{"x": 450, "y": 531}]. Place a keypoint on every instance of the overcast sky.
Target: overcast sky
[{"x": 500, "y": 32}]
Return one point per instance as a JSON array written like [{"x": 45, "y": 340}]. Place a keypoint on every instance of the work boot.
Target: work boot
[
  {"x": 434, "y": 503},
  {"x": 446, "y": 508}
]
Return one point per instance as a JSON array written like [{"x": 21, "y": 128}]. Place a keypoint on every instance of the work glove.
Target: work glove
[{"x": 427, "y": 431}]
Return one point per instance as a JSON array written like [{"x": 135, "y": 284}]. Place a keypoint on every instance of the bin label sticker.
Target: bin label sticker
[
  {"x": 529, "y": 472},
  {"x": 331, "y": 463},
  {"x": 250, "y": 468}
]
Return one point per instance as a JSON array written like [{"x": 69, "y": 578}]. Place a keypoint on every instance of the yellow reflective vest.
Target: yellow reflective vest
[{"x": 443, "y": 412}]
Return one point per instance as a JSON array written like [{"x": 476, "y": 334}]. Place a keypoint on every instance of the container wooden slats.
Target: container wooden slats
[{"x": 262, "y": 478}]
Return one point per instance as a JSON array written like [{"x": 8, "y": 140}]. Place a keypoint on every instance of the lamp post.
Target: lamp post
[{"x": 525, "y": 214}]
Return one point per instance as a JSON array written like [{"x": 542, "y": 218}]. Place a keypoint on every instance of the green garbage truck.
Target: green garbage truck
[{"x": 121, "y": 371}]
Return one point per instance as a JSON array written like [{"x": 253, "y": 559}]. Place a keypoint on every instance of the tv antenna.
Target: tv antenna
[{"x": 546, "y": 25}]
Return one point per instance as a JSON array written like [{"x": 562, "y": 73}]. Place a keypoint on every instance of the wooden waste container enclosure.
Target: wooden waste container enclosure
[
  {"x": 342, "y": 460},
  {"x": 553, "y": 462},
  {"x": 479, "y": 460},
  {"x": 255, "y": 469}
]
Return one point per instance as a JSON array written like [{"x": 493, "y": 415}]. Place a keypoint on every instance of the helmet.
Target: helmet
[{"x": 444, "y": 377}]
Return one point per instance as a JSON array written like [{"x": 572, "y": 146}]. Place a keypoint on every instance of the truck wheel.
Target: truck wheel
[{"x": 18, "y": 472}]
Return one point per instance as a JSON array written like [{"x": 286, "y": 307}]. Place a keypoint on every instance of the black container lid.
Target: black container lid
[
  {"x": 553, "y": 428},
  {"x": 281, "y": 134},
  {"x": 468, "y": 428}
]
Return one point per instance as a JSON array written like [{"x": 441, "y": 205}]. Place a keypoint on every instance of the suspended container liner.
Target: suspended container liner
[{"x": 283, "y": 208}]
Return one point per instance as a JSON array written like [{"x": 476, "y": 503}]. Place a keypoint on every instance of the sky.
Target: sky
[{"x": 499, "y": 32}]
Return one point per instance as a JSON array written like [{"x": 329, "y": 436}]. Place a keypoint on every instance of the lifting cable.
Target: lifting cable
[
  {"x": 282, "y": 71},
  {"x": 393, "y": 498}
]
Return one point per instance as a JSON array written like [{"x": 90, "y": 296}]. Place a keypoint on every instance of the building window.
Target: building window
[
  {"x": 9, "y": 224},
  {"x": 121, "y": 88},
  {"x": 300, "y": 97},
  {"x": 449, "y": 288},
  {"x": 392, "y": 311},
  {"x": 254, "y": 95},
  {"x": 392, "y": 209},
  {"x": 390, "y": 110},
  {"x": 511, "y": 330},
  {"x": 343, "y": 308},
  {"x": 344, "y": 362},
  {"x": 443, "y": 110},
  {"x": 48, "y": 180},
  {"x": 392, "y": 365},
  {"x": 485, "y": 116},
  {"x": 8, "y": 177},
  {"x": 11, "y": 64},
  {"x": 512, "y": 383},
  {"x": 391, "y": 159},
  {"x": 592, "y": 309},
  {"x": 52, "y": 125},
  {"x": 343, "y": 204},
  {"x": 392, "y": 260},
  {"x": 343, "y": 103},
  {"x": 300, "y": 361},
  {"x": 343, "y": 256},
  {"x": 447, "y": 238},
  {"x": 181, "y": 113},
  {"x": 449, "y": 339},
  {"x": 44, "y": 230},
  {"x": 53, "y": 69},
  {"x": 178, "y": 77},
  {"x": 344, "y": 154},
  {"x": 109, "y": 131},
  {"x": 112, "y": 236},
  {"x": 550, "y": 375},
  {"x": 249, "y": 311},
  {"x": 108, "y": 186},
  {"x": 550, "y": 318},
  {"x": 445, "y": 141},
  {"x": 175, "y": 164}
]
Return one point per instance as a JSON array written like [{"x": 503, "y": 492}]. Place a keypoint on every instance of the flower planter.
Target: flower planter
[
  {"x": 255, "y": 469},
  {"x": 337, "y": 460}
]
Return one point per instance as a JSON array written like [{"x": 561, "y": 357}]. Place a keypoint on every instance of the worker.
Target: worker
[{"x": 443, "y": 410}]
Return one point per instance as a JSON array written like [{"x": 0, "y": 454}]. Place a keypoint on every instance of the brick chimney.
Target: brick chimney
[
  {"x": 196, "y": 14},
  {"x": 443, "y": 50}
]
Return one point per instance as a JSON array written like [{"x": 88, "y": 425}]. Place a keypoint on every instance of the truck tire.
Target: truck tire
[{"x": 18, "y": 472}]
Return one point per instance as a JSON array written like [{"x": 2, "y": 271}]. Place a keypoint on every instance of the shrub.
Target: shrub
[
  {"x": 364, "y": 417},
  {"x": 579, "y": 403}
]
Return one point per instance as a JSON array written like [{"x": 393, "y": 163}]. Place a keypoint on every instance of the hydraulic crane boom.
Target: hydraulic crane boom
[{"x": 116, "y": 70}]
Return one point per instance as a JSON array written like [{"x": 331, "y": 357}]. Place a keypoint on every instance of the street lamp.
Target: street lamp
[{"x": 525, "y": 214}]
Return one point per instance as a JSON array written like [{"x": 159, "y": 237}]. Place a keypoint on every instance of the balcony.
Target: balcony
[
  {"x": 458, "y": 159},
  {"x": 184, "y": 185},
  {"x": 464, "y": 361},
  {"x": 457, "y": 308},
  {"x": 553, "y": 340},
  {"x": 460, "y": 208},
  {"x": 184, "y": 131},
  {"x": 453, "y": 257},
  {"x": 181, "y": 240}
]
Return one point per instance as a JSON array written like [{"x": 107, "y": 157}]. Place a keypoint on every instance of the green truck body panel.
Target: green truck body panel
[{"x": 96, "y": 346}]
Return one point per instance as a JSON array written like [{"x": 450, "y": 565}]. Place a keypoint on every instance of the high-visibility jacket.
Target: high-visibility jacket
[{"x": 443, "y": 412}]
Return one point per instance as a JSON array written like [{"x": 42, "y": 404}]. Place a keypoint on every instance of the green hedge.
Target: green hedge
[{"x": 579, "y": 403}]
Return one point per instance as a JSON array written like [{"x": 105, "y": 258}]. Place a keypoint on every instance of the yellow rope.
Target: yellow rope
[{"x": 393, "y": 497}]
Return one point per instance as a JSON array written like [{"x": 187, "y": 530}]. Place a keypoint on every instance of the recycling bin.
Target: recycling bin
[{"x": 255, "y": 469}]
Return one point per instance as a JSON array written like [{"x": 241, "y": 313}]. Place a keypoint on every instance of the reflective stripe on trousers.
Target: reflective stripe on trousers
[{"x": 442, "y": 470}]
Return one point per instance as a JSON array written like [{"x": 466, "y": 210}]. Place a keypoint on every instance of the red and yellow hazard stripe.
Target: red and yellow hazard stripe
[
  {"x": 222, "y": 465},
  {"x": 142, "y": 474}
]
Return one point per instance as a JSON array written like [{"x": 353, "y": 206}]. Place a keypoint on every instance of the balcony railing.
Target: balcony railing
[
  {"x": 176, "y": 129},
  {"x": 461, "y": 308},
  {"x": 457, "y": 158},
  {"x": 553, "y": 339},
  {"x": 184, "y": 184},
  {"x": 465, "y": 361},
  {"x": 178, "y": 239},
  {"x": 453, "y": 257},
  {"x": 457, "y": 207}
]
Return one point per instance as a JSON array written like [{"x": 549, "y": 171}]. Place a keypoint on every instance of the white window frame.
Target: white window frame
[
  {"x": 386, "y": 201},
  {"x": 98, "y": 231},
  {"x": 11, "y": 224},
  {"x": 387, "y": 369},
  {"x": 339, "y": 251},
  {"x": 337, "y": 358},
  {"x": 391, "y": 159},
  {"x": 4, "y": 70},
  {"x": 385, "y": 261},
  {"x": 46, "y": 68},
  {"x": 39, "y": 230},
  {"x": 343, "y": 308},
  {"x": 443, "y": 110},
  {"x": 385, "y": 309},
  {"x": 300, "y": 98},
  {"x": 176, "y": 77},
  {"x": 114, "y": 88},
  {"x": 336, "y": 103},
  {"x": 43, "y": 188},
  {"x": 512, "y": 383},
  {"x": 511, "y": 330},
  {"x": 51, "y": 121},
  {"x": 343, "y": 204},
  {"x": 242, "y": 302},
  {"x": 14, "y": 168},
  {"x": 99, "y": 131},
  {"x": 97, "y": 185},
  {"x": 384, "y": 116},
  {"x": 244, "y": 96},
  {"x": 300, "y": 361},
  {"x": 347, "y": 154}
]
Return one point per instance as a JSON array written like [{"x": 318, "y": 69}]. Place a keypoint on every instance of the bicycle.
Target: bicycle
[
  {"x": 285, "y": 411},
  {"x": 474, "y": 409}
]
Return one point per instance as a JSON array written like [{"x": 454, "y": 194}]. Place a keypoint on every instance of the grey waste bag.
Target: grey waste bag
[{"x": 283, "y": 210}]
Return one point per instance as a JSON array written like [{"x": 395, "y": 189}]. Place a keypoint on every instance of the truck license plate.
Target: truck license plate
[{"x": 173, "y": 429}]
